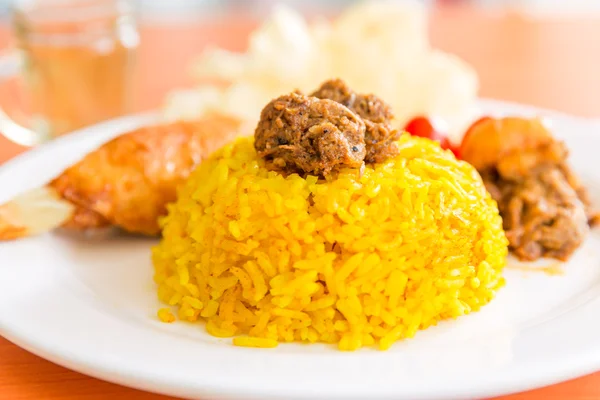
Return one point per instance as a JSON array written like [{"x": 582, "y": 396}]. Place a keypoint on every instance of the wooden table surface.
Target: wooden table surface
[{"x": 549, "y": 63}]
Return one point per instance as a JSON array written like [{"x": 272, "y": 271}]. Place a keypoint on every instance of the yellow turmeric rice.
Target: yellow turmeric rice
[{"x": 367, "y": 258}]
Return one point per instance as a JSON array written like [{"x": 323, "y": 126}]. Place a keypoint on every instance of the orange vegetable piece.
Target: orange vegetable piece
[{"x": 489, "y": 140}]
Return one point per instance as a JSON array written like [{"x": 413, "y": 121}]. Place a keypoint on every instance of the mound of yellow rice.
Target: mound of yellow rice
[{"x": 357, "y": 260}]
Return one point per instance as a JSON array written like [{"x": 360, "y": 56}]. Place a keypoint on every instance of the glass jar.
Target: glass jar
[{"x": 76, "y": 62}]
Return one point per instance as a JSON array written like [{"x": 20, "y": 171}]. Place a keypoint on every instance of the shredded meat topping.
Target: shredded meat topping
[
  {"x": 333, "y": 128},
  {"x": 380, "y": 137},
  {"x": 304, "y": 134}
]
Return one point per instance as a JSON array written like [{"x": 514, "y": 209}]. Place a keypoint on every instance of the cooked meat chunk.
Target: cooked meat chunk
[
  {"x": 545, "y": 209},
  {"x": 380, "y": 137},
  {"x": 592, "y": 214},
  {"x": 543, "y": 215},
  {"x": 368, "y": 107},
  {"x": 338, "y": 91},
  {"x": 307, "y": 135}
]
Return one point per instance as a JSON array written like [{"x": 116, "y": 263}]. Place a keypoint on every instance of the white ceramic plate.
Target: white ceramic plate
[{"x": 90, "y": 305}]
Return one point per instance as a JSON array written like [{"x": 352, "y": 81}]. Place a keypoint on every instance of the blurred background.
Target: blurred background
[
  {"x": 169, "y": 8},
  {"x": 540, "y": 52}
]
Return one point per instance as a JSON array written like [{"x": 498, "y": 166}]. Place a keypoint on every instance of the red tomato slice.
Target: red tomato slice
[
  {"x": 456, "y": 150},
  {"x": 423, "y": 127}
]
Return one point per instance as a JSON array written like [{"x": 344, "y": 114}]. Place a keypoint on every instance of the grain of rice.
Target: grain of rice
[
  {"x": 165, "y": 315},
  {"x": 254, "y": 342}
]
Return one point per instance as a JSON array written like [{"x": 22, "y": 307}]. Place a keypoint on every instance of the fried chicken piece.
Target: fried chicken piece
[
  {"x": 380, "y": 136},
  {"x": 545, "y": 209},
  {"x": 306, "y": 135},
  {"x": 128, "y": 181}
]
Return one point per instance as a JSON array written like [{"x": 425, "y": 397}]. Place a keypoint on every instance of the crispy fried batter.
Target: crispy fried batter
[
  {"x": 128, "y": 181},
  {"x": 9, "y": 232}
]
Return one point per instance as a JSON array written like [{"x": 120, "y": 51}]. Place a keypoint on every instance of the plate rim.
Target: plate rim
[{"x": 130, "y": 379}]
